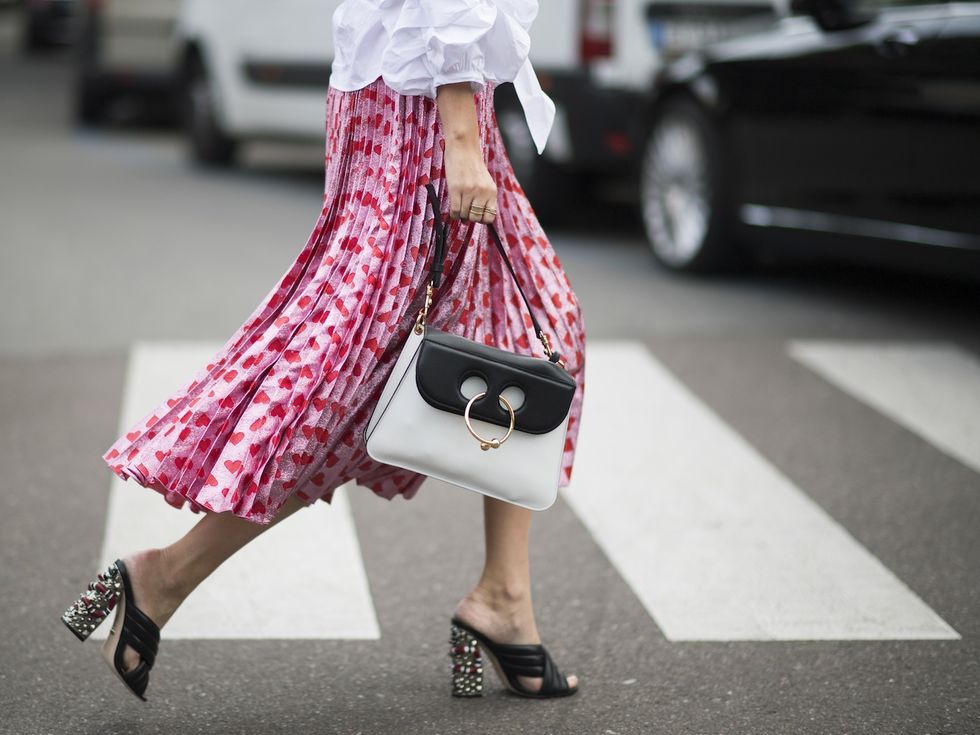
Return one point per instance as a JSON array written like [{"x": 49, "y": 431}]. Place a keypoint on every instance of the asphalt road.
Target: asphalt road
[{"x": 784, "y": 540}]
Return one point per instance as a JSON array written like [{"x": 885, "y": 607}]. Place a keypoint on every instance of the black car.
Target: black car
[{"x": 849, "y": 130}]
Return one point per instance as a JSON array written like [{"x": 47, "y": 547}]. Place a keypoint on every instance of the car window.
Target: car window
[
  {"x": 786, "y": 7},
  {"x": 677, "y": 27}
]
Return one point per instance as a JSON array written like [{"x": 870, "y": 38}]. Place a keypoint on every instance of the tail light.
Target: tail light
[{"x": 595, "y": 40}]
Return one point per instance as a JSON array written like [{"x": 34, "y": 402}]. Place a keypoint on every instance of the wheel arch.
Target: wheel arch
[
  {"x": 698, "y": 91},
  {"x": 194, "y": 51},
  {"x": 191, "y": 52}
]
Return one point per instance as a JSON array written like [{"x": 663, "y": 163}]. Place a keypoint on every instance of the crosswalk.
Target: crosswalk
[
  {"x": 932, "y": 389},
  {"x": 715, "y": 542},
  {"x": 261, "y": 591}
]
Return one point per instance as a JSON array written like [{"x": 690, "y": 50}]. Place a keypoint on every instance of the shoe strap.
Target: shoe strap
[
  {"x": 136, "y": 636},
  {"x": 524, "y": 659},
  {"x": 138, "y": 678},
  {"x": 553, "y": 680},
  {"x": 138, "y": 630},
  {"x": 531, "y": 660}
]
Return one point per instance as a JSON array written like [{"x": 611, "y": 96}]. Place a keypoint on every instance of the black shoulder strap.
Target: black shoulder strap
[{"x": 439, "y": 231}]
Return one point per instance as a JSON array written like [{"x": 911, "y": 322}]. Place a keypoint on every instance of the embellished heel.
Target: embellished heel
[
  {"x": 138, "y": 631},
  {"x": 93, "y": 606},
  {"x": 510, "y": 660},
  {"x": 467, "y": 663}
]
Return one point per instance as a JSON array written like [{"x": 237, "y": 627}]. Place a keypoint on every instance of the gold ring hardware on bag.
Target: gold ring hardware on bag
[
  {"x": 493, "y": 443},
  {"x": 420, "y": 319}
]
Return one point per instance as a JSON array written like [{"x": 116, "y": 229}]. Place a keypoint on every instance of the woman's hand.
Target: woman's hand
[{"x": 467, "y": 178}]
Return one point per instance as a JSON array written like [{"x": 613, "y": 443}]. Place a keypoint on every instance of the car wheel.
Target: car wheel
[
  {"x": 91, "y": 96},
  {"x": 90, "y": 102},
  {"x": 208, "y": 143},
  {"x": 683, "y": 191}
]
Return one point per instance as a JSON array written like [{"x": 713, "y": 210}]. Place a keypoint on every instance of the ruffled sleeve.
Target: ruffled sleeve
[{"x": 436, "y": 42}]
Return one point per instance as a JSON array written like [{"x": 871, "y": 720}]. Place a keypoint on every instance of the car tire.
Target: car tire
[
  {"x": 684, "y": 191},
  {"x": 90, "y": 95},
  {"x": 90, "y": 102},
  {"x": 208, "y": 143}
]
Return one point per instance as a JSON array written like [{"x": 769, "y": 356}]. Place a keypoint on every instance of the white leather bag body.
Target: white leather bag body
[{"x": 474, "y": 415}]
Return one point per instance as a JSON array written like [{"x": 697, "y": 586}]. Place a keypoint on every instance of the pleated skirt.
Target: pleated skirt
[{"x": 280, "y": 409}]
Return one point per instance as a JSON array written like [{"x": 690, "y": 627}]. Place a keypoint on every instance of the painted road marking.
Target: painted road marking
[
  {"x": 931, "y": 389},
  {"x": 715, "y": 542},
  {"x": 304, "y": 578}
]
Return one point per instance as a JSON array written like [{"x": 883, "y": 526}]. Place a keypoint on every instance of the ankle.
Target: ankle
[
  {"x": 503, "y": 612},
  {"x": 503, "y": 594},
  {"x": 165, "y": 576}
]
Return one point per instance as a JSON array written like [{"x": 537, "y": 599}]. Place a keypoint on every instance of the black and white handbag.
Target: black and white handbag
[{"x": 474, "y": 415}]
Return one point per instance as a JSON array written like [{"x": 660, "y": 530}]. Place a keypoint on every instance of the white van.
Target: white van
[
  {"x": 256, "y": 69},
  {"x": 253, "y": 69}
]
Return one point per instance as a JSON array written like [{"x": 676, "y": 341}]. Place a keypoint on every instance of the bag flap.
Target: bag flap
[{"x": 445, "y": 360}]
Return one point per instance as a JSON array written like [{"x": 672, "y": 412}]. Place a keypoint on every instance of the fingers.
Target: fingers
[
  {"x": 485, "y": 212},
  {"x": 472, "y": 189},
  {"x": 479, "y": 208},
  {"x": 474, "y": 204},
  {"x": 455, "y": 203}
]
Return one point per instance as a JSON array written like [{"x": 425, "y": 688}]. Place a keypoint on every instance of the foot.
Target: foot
[
  {"x": 505, "y": 616},
  {"x": 154, "y": 592}
]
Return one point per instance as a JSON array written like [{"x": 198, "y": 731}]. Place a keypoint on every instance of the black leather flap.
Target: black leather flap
[{"x": 445, "y": 360}]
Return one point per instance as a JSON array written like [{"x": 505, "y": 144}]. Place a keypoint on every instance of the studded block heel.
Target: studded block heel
[
  {"x": 93, "y": 606},
  {"x": 110, "y": 588},
  {"x": 510, "y": 660},
  {"x": 467, "y": 663}
]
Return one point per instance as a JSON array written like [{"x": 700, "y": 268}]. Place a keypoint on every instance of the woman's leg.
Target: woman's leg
[
  {"x": 163, "y": 577},
  {"x": 500, "y": 603}
]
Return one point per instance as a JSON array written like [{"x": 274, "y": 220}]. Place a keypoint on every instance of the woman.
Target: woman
[{"x": 275, "y": 421}]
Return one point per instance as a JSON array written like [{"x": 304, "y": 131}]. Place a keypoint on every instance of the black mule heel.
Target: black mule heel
[
  {"x": 510, "y": 660},
  {"x": 92, "y": 607}
]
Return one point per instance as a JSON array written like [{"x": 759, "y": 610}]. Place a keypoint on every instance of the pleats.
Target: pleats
[{"x": 280, "y": 409}]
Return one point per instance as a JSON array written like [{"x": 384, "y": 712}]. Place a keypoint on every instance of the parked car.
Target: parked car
[
  {"x": 252, "y": 70},
  {"x": 258, "y": 70},
  {"x": 124, "y": 48},
  {"x": 597, "y": 59},
  {"x": 849, "y": 130}
]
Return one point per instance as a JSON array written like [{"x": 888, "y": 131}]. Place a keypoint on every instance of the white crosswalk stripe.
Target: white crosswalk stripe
[
  {"x": 715, "y": 542},
  {"x": 931, "y": 389},
  {"x": 301, "y": 580}
]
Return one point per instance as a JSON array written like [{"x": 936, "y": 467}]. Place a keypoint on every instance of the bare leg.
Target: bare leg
[
  {"x": 500, "y": 603},
  {"x": 162, "y": 578}
]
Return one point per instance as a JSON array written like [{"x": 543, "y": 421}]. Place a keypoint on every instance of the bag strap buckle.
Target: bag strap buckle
[{"x": 424, "y": 312}]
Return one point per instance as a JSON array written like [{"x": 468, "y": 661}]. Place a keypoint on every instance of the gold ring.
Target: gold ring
[{"x": 495, "y": 442}]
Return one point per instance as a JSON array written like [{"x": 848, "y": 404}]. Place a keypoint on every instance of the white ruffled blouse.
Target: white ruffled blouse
[{"x": 418, "y": 45}]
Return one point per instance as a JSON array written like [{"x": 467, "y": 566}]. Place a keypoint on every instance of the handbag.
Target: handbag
[{"x": 470, "y": 414}]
